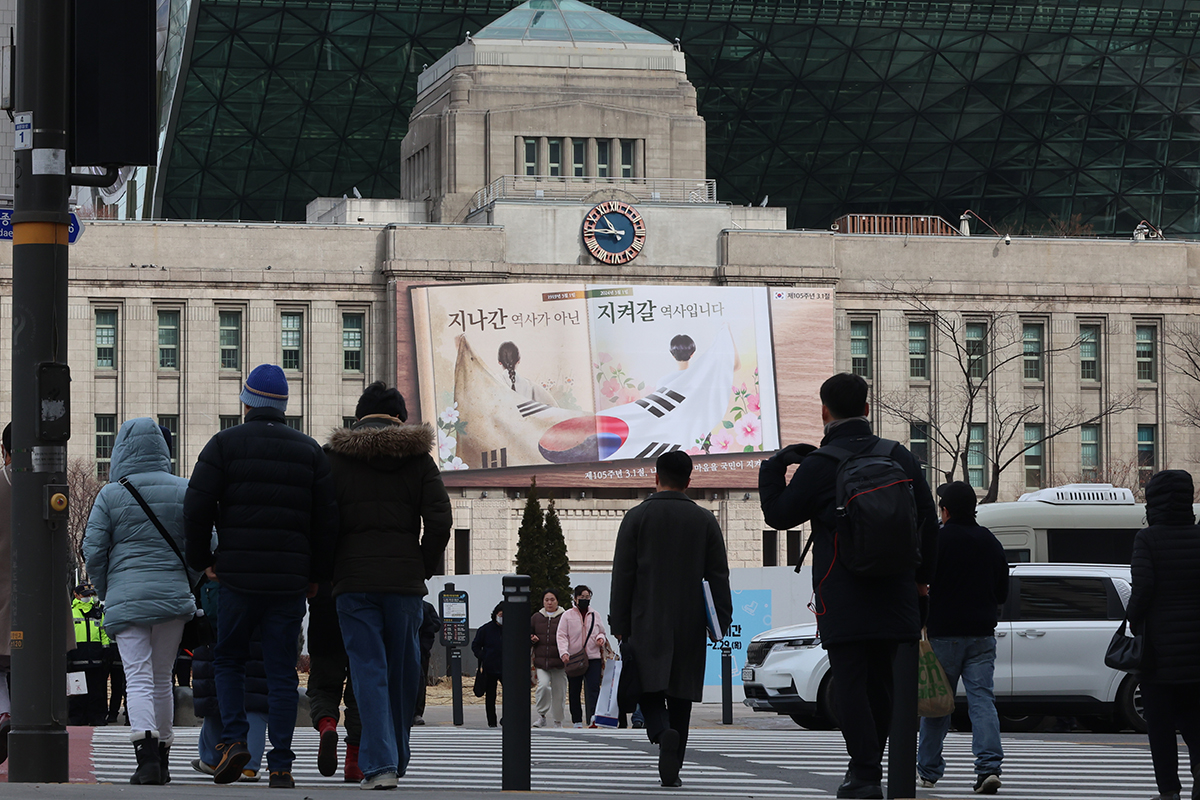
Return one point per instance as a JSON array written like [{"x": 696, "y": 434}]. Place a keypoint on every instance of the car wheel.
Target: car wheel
[
  {"x": 1020, "y": 724},
  {"x": 814, "y": 722},
  {"x": 1129, "y": 705},
  {"x": 825, "y": 702}
]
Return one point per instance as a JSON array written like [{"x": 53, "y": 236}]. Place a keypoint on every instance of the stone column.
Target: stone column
[{"x": 543, "y": 156}]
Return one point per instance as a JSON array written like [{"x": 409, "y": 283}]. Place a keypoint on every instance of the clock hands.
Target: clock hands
[{"x": 610, "y": 229}]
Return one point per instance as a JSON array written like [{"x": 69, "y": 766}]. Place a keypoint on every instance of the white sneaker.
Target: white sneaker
[
  {"x": 557, "y": 725},
  {"x": 540, "y": 722},
  {"x": 384, "y": 780},
  {"x": 925, "y": 783},
  {"x": 578, "y": 725}
]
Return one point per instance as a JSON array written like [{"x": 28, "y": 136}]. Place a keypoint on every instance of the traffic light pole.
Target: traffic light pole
[{"x": 38, "y": 750}]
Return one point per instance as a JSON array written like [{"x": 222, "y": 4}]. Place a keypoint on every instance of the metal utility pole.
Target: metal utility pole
[
  {"x": 515, "y": 738},
  {"x": 38, "y": 749}
]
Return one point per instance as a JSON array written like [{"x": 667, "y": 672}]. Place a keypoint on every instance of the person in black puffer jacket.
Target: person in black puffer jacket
[
  {"x": 488, "y": 647},
  {"x": 204, "y": 698},
  {"x": 269, "y": 491},
  {"x": 388, "y": 488},
  {"x": 1165, "y": 609}
]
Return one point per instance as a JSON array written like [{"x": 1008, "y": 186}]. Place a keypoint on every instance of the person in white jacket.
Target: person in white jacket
[{"x": 581, "y": 631}]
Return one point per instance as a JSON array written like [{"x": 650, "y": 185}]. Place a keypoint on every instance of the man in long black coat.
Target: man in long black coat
[
  {"x": 861, "y": 620},
  {"x": 666, "y": 547}
]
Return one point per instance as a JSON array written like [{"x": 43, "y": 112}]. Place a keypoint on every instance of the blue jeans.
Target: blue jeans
[
  {"x": 973, "y": 658},
  {"x": 381, "y": 635},
  {"x": 210, "y": 734},
  {"x": 279, "y": 618}
]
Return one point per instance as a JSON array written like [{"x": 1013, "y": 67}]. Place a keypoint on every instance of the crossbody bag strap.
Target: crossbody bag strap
[{"x": 161, "y": 529}]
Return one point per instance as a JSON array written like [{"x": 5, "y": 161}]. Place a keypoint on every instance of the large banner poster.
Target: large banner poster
[{"x": 544, "y": 374}]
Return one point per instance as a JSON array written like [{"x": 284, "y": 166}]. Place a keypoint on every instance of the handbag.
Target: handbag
[
  {"x": 577, "y": 663},
  {"x": 479, "y": 689},
  {"x": 1125, "y": 653},
  {"x": 935, "y": 695},
  {"x": 198, "y": 631}
]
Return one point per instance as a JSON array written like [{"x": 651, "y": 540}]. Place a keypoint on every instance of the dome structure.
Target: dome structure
[{"x": 566, "y": 21}]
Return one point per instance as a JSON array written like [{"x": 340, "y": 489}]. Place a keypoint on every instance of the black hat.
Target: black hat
[
  {"x": 379, "y": 399},
  {"x": 85, "y": 588},
  {"x": 958, "y": 498}
]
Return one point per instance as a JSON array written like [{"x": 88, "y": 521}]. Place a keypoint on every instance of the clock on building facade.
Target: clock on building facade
[{"x": 614, "y": 232}]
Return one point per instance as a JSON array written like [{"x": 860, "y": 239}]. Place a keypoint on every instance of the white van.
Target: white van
[{"x": 1081, "y": 523}]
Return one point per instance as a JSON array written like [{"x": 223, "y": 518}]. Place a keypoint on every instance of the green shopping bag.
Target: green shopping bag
[{"x": 935, "y": 695}]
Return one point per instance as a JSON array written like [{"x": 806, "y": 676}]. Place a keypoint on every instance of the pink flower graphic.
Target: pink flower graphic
[
  {"x": 604, "y": 358},
  {"x": 694, "y": 451},
  {"x": 721, "y": 441},
  {"x": 749, "y": 431},
  {"x": 610, "y": 387},
  {"x": 752, "y": 403},
  {"x": 628, "y": 395}
]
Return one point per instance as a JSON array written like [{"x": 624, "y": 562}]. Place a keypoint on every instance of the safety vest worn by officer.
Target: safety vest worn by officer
[{"x": 90, "y": 637}]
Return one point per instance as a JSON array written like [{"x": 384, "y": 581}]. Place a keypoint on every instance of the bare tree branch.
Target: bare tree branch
[{"x": 84, "y": 486}]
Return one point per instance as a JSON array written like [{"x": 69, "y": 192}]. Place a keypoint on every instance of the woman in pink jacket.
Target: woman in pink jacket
[{"x": 578, "y": 624}]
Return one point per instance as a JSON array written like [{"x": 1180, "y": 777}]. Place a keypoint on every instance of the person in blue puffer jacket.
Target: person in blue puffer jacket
[{"x": 143, "y": 582}]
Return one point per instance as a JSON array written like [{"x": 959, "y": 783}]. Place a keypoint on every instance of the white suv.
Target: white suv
[{"x": 1050, "y": 645}]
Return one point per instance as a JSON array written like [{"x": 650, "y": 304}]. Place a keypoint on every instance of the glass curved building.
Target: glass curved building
[{"x": 1079, "y": 116}]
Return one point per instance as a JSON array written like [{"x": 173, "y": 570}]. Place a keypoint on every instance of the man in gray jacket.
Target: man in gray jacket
[{"x": 666, "y": 547}]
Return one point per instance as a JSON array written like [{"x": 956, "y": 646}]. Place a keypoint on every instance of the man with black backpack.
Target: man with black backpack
[{"x": 874, "y": 546}]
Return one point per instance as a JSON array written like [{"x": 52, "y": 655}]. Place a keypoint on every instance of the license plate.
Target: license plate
[{"x": 747, "y": 673}]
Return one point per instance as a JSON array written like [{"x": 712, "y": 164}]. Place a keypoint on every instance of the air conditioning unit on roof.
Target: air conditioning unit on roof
[{"x": 1082, "y": 494}]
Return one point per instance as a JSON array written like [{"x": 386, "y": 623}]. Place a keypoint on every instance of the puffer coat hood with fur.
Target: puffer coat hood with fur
[{"x": 388, "y": 488}]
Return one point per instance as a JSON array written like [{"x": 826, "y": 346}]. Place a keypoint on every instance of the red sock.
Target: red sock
[{"x": 326, "y": 724}]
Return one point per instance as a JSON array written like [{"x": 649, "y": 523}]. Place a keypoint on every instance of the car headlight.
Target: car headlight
[{"x": 803, "y": 643}]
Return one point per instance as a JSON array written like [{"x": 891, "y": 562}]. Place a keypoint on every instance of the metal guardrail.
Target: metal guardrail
[
  {"x": 554, "y": 187},
  {"x": 914, "y": 224}
]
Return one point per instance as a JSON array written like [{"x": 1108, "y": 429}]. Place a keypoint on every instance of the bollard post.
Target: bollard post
[
  {"x": 902, "y": 748},
  {"x": 726, "y": 683},
  {"x": 454, "y": 635},
  {"x": 515, "y": 772}
]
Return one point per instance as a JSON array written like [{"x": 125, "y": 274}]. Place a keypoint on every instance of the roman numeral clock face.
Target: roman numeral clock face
[{"x": 614, "y": 232}]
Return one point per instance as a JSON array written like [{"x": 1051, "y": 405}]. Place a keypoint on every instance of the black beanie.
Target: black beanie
[{"x": 379, "y": 399}]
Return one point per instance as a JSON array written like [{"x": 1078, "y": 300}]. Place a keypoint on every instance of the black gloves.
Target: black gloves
[{"x": 792, "y": 454}]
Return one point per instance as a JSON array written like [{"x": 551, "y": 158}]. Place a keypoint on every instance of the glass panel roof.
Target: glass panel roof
[{"x": 565, "y": 21}]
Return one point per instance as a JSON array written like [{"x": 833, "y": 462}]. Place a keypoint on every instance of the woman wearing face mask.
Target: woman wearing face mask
[
  {"x": 581, "y": 629},
  {"x": 488, "y": 647},
  {"x": 551, "y": 679}
]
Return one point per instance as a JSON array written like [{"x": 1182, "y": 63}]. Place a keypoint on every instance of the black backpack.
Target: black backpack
[{"x": 876, "y": 531}]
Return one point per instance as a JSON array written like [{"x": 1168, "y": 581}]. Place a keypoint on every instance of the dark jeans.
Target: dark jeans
[
  {"x": 117, "y": 675},
  {"x": 662, "y": 711},
  {"x": 1172, "y": 707},
  {"x": 590, "y": 681},
  {"x": 90, "y": 708},
  {"x": 862, "y": 696},
  {"x": 329, "y": 684},
  {"x": 490, "y": 682},
  {"x": 279, "y": 617},
  {"x": 420, "y": 709}
]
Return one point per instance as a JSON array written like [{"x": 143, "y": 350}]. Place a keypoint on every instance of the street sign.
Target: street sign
[
  {"x": 454, "y": 618},
  {"x": 6, "y": 226},
  {"x": 23, "y": 126}
]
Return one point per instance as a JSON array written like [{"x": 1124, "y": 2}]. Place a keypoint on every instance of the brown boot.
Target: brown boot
[{"x": 352, "y": 773}]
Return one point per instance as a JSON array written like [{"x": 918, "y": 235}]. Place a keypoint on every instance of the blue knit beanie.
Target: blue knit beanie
[{"x": 266, "y": 388}]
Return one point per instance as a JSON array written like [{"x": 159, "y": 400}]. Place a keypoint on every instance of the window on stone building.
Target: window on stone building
[
  {"x": 860, "y": 348},
  {"x": 1089, "y": 352},
  {"x": 171, "y": 423},
  {"x": 291, "y": 324},
  {"x": 1147, "y": 456},
  {"x": 106, "y": 339},
  {"x": 603, "y": 158},
  {"x": 794, "y": 547},
  {"x": 918, "y": 351},
  {"x": 626, "y": 158},
  {"x": 770, "y": 547},
  {"x": 230, "y": 420},
  {"x": 977, "y": 455},
  {"x": 918, "y": 445},
  {"x": 531, "y": 156},
  {"x": 1032, "y": 341},
  {"x": 555, "y": 156},
  {"x": 975, "y": 345},
  {"x": 1089, "y": 452},
  {"x": 295, "y": 423},
  {"x": 106, "y": 435},
  {"x": 1146, "y": 336},
  {"x": 462, "y": 551},
  {"x": 230, "y": 332},
  {"x": 1033, "y": 456},
  {"x": 168, "y": 340},
  {"x": 578, "y": 158},
  {"x": 352, "y": 342}
]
